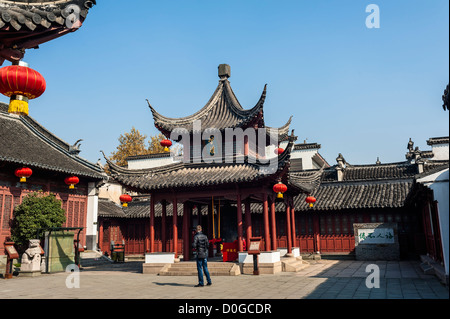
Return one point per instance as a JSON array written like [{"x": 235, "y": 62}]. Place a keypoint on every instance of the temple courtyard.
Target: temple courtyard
[{"x": 322, "y": 279}]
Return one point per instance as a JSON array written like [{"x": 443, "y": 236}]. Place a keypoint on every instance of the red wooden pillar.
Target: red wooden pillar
[
  {"x": 209, "y": 228},
  {"x": 274, "y": 223},
  {"x": 239, "y": 222},
  {"x": 174, "y": 226},
  {"x": 163, "y": 225},
  {"x": 186, "y": 248},
  {"x": 248, "y": 222},
  {"x": 316, "y": 230},
  {"x": 246, "y": 145},
  {"x": 100, "y": 236},
  {"x": 294, "y": 236},
  {"x": 266, "y": 222},
  {"x": 199, "y": 215},
  {"x": 152, "y": 224},
  {"x": 288, "y": 228}
]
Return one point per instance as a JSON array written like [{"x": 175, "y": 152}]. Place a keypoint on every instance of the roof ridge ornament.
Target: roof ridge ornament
[{"x": 224, "y": 71}]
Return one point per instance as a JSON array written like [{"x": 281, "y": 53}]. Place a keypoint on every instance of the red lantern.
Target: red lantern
[
  {"x": 125, "y": 199},
  {"x": 23, "y": 173},
  {"x": 310, "y": 200},
  {"x": 279, "y": 188},
  {"x": 166, "y": 144},
  {"x": 279, "y": 151},
  {"x": 72, "y": 181},
  {"x": 21, "y": 83}
]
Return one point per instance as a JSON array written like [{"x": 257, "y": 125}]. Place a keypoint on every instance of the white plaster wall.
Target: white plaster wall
[
  {"x": 91, "y": 218},
  {"x": 440, "y": 151},
  {"x": 150, "y": 162},
  {"x": 439, "y": 183},
  {"x": 111, "y": 191}
]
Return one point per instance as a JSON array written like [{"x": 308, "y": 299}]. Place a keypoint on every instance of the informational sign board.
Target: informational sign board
[
  {"x": 376, "y": 236},
  {"x": 11, "y": 250},
  {"x": 376, "y": 241},
  {"x": 255, "y": 246}
]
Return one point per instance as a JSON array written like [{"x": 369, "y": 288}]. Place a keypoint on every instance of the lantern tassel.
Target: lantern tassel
[
  {"x": 23, "y": 179},
  {"x": 166, "y": 149},
  {"x": 72, "y": 186},
  {"x": 125, "y": 205},
  {"x": 280, "y": 195},
  {"x": 18, "y": 107}
]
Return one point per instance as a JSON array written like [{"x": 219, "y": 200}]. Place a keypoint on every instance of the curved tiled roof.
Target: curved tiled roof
[
  {"x": 358, "y": 195},
  {"x": 222, "y": 111},
  {"x": 189, "y": 175},
  {"x": 379, "y": 172},
  {"x": 26, "y": 24},
  {"x": 40, "y": 14},
  {"x": 24, "y": 141}
]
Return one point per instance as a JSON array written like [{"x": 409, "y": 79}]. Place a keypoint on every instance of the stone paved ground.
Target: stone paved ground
[{"x": 325, "y": 279}]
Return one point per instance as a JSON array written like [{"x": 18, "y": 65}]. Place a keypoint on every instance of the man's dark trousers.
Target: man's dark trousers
[{"x": 202, "y": 266}]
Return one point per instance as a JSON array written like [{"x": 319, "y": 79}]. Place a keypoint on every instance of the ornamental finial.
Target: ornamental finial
[{"x": 224, "y": 71}]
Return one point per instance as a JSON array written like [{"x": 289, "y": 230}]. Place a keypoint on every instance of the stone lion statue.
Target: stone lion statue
[{"x": 31, "y": 258}]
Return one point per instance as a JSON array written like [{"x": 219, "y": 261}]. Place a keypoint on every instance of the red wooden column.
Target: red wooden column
[
  {"x": 266, "y": 222},
  {"x": 288, "y": 228},
  {"x": 316, "y": 230},
  {"x": 209, "y": 228},
  {"x": 100, "y": 236},
  {"x": 294, "y": 236},
  {"x": 163, "y": 225},
  {"x": 274, "y": 223},
  {"x": 186, "y": 248},
  {"x": 199, "y": 215},
  {"x": 239, "y": 222},
  {"x": 248, "y": 222},
  {"x": 152, "y": 224},
  {"x": 174, "y": 225}
]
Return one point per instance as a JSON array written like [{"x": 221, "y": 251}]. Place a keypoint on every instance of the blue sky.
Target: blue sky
[{"x": 356, "y": 91}]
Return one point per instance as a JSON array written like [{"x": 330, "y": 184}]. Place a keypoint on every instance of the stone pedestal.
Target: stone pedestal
[
  {"x": 30, "y": 273},
  {"x": 155, "y": 262},
  {"x": 284, "y": 253},
  {"x": 268, "y": 263}
]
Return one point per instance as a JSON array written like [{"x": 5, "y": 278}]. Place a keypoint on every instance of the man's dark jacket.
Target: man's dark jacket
[{"x": 201, "y": 244}]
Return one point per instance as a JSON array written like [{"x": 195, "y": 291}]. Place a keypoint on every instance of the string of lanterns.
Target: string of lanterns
[
  {"x": 25, "y": 172},
  {"x": 280, "y": 188}
]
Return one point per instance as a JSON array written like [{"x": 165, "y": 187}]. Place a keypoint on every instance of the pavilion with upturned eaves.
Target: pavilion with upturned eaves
[{"x": 221, "y": 176}]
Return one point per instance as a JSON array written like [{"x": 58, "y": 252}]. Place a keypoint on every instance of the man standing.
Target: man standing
[{"x": 201, "y": 244}]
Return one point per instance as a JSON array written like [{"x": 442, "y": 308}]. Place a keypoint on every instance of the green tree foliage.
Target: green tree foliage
[
  {"x": 134, "y": 143},
  {"x": 36, "y": 211}
]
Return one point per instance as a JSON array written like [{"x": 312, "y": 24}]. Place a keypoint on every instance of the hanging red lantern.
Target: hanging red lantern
[
  {"x": 279, "y": 151},
  {"x": 125, "y": 199},
  {"x": 23, "y": 173},
  {"x": 21, "y": 83},
  {"x": 310, "y": 200},
  {"x": 279, "y": 188},
  {"x": 72, "y": 181},
  {"x": 166, "y": 144}
]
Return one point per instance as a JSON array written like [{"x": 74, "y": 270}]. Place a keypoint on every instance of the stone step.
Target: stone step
[
  {"x": 190, "y": 269},
  {"x": 193, "y": 265},
  {"x": 92, "y": 258},
  {"x": 293, "y": 264}
]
